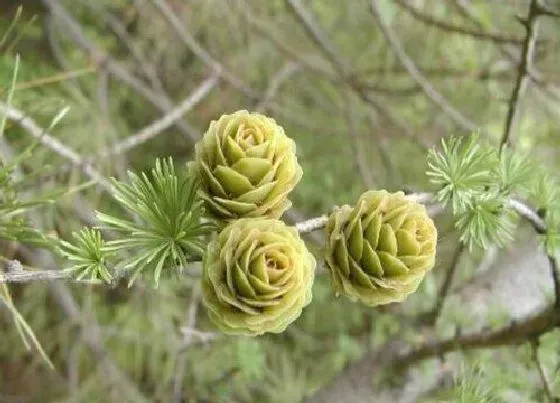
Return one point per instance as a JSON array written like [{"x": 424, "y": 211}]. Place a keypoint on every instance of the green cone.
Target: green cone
[
  {"x": 257, "y": 276},
  {"x": 247, "y": 166},
  {"x": 379, "y": 251}
]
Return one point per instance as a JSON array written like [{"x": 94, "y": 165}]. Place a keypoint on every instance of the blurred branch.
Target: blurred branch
[
  {"x": 264, "y": 29},
  {"x": 361, "y": 163},
  {"x": 283, "y": 74},
  {"x": 542, "y": 374},
  {"x": 125, "y": 38},
  {"x": 181, "y": 361},
  {"x": 317, "y": 35},
  {"x": 92, "y": 336},
  {"x": 158, "y": 126},
  {"x": 343, "y": 67},
  {"x": 75, "y": 32},
  {"x": 446, "y": 285},
  {"x": 416, "y": 74},
  {"x": 540, "y": 227},
  {"x": 512, "y": 53},
  {"x": 399, "y": 355},
  {"x": 531, "y": 24},
  {"x": 516, "y": 332},
  {"x": 445, "y": 26},
  {"x": 207, "y": 59},
  {"x": 53, "y": 144},
  {"x": 198, "y": 50}
]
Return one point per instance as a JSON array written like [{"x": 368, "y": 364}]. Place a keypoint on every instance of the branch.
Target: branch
[
  {"x": 396, "y": 355},
  {"x": 40, "y": 275},
  {"x": 416, "y": 74},
  {"x": 525, "y": 67},
  {"x": 540, "y": 227},
  {"x": 283, "y": 74},
  {"x": 317, "y": 35},
  {"x": 547, "y": 88},
  {"x": 313, "y": 224},
  {"x": 199, "y": 51},
  {"x": 446, "y": 285},
  {"x": 514, "y": 333},
  {"x": 544, "y": 379},
  {"x": 29, "y": 125},
  {"x": 445, "y": 26},
  {"x": 362, "y": 165},
  {"x": 158, "y": 126},
  {"x": 264, "y": 30},
  {"x": 121, "y": 32},
  {"x": 160, "y": 101},
  {"x": 344, "y": 68}
]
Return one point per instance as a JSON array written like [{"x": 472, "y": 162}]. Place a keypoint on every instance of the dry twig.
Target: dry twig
[{"x": 417, "y": 75}]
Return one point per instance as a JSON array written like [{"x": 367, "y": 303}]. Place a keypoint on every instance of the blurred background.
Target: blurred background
[{"x": 365, "y": 88}]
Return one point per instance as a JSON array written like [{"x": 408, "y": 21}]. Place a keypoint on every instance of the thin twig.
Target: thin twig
[
  {"x": 531, "y": 24},
  {"x": 283, "y": 74},
  {"x": 445, "y": 26},
  {"x": 540, "y": 227},
  {"x": 512, "y": 54},
  {"x": 159, "y": 100},
  {"x": 41, "y": 275},
  {"x": 120, "y": 31},
  {"x": 317, "y": 35},
  {"x": 313, "y": 224},
  {"x": 361, "y": 162},
  {"x": 542, "y": 374},
  {"x": 417, "y": 75},
  {"x": 264, "y": 30},
  {"x": 198, "y": 50},
  {"x": 182, "y": 358},
  {"x": 158, "y": 126},
  {"x": 448, "y": 280},
  {"x": 344, "y": 68},
  {"x": 53, "y": 144},
  {"x": 528, "y": 214}
]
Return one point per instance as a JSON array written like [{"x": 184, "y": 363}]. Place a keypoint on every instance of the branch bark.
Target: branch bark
[
  {"x": 531, "y": 24},
  {"x": 45, "y": 138},
  {"x": 416, "y": 74}
]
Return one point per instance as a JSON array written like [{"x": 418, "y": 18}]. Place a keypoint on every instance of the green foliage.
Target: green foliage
[
  {"x": 462, "y": 170},
  {"x": 88, "y": 255},
  {"x": 514, "y": 172},
  {"x": 13, "y": 225},
  {"x": 471, "y": 388},
  {"x": 477, "y": 180},
  {"x": 168, "y": 229},
  {"x": 486, "y": 221},
  {"x": 546, "y": 195}
]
